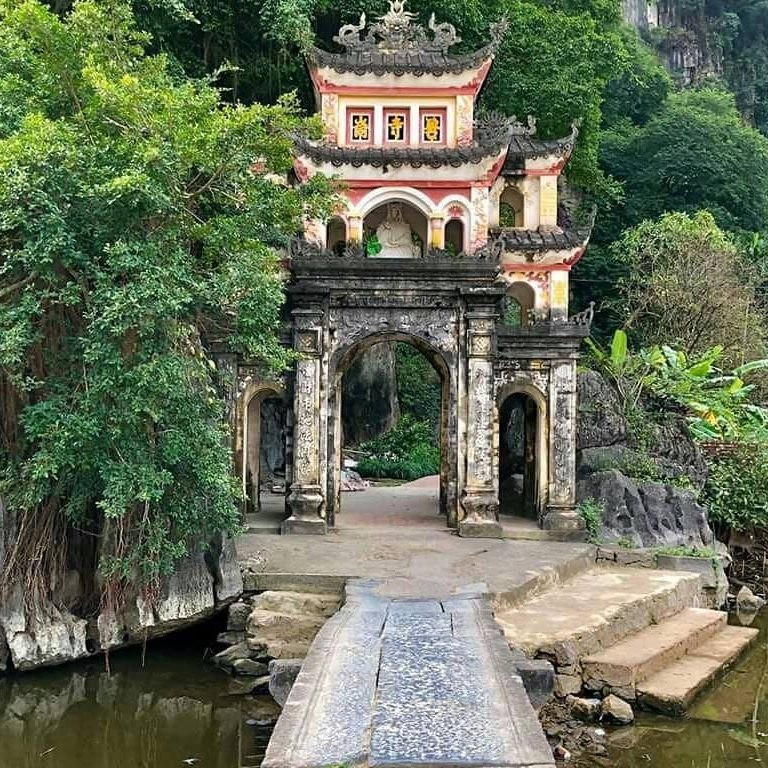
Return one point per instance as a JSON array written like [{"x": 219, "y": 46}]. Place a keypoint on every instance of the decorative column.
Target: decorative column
[
  {"x": 561, "y": 509},
  {"x": 306, "y": 499},
  {"x": 436, "y": 230},
  {"x": 480, "y": 502}
]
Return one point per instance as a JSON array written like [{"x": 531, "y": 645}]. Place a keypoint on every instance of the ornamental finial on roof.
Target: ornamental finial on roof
[{"x": 394, "y": 32}]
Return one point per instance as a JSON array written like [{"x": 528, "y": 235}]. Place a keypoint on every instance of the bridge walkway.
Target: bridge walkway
[{"x": 409, "y": 682}]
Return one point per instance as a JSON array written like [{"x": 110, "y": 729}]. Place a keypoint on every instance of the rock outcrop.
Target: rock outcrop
[
  {"x": 647, "y": 493},
  {"x": 49, "y": 631},
  {"x": 369, "y": 402}
]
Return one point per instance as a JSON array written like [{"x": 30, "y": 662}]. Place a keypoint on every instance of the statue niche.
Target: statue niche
[{"x": 394, "y": 237}]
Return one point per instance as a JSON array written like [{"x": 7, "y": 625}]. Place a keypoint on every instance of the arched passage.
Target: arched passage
[
  {"x": 340, "y": 363},
  {"x": 454, "y": 236},
  {"x": 522, "y": 452},
  {"x": 264, "y": 455}
]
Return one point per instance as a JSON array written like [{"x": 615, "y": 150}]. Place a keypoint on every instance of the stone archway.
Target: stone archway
[{"x": 339, "y": 364}]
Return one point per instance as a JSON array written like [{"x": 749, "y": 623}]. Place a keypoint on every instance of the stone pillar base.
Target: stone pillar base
[
  {"x": 563, "y": 520},
  {"x": 298, "y": 525},
  {"x": 480, "y": 529},
  {"x": 305, "y": 504},
  {"x": 481, "y": 521}
]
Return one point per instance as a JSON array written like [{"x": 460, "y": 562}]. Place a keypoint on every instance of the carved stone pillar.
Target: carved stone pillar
[
  {"x": 306, "y": 498},
  {"x": 561, "y": 513},
  {"x": 480, "y": 502}
]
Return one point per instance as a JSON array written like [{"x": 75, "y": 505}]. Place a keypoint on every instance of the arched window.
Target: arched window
[
  {"x": 522, "y": 295},
  {"x": 454, "y": 236},
  {"x": 511, "y": 204},
  {"x": 336, "y": 235}
]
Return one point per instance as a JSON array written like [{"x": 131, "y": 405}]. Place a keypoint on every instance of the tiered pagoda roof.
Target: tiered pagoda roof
[{"x": 395, "y": 45}]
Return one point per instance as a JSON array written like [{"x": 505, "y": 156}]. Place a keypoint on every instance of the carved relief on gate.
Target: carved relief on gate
[
  {"x": 515, "y": 372},
  {"x": 564, "y": 431},
  {"x": 436, "y": 326}
]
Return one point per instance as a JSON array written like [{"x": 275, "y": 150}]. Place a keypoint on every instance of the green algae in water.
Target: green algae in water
[
  {"x": 175, "y": 711},
  {"x": 718, "y": 732}
]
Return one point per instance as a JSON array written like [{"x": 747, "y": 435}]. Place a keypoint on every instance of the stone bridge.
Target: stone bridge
[{"x": 427, "y": 682}]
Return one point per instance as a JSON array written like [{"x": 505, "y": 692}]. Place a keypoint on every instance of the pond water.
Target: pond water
[
  {"x": 178, "y": 710},
  {"x": 719, "y": 731},
  {"x": 174, "y": 711}
]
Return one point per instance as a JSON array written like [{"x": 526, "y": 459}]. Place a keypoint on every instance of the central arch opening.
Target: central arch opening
[
  {"x": 395, "y": 229},
  {"x": 519, "y": 456},
  {"x": 389, "y": 416}
]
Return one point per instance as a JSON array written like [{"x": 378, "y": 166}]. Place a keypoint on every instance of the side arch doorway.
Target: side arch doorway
[
  {"x": 522, "y": 453},
  {"x": 342, "y": 362},
  {"x": 264, "y": 463}
]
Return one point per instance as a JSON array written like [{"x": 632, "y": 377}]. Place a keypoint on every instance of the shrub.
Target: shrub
[
  {"x": 407, "y": 452},
  {"x": 736, "y": 492},
  {"x": 591, "y": 512}
]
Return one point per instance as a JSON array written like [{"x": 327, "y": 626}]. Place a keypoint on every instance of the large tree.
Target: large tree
[
  {"x": 136, "y": 219},
  {"x": 686, "y": 283}
]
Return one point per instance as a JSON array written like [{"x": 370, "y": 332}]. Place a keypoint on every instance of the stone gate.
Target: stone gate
[{"x": 451, "y": 236}]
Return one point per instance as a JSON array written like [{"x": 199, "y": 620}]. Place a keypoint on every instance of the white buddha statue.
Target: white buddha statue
[{"x": 394, "y": 234}]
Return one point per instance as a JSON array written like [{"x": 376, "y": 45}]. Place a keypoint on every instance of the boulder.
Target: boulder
[
  {"x": 747, "y": 601},
  {"x": 237, "y": 616},
  {"x": 648, "y": 514},
  {"x": 352, "y": 481},
  {"x": 282, "y": 675},
  {"x": 227, "y": 658},
  {"x": 600, "y": 419},
  {"x": 616, "y": 710},
  {"x": 587, "y": 710},
  {"x": 52, "y": 636},
  {"x": 249, "y": 668},
  {"x": 566, "y": 685}
]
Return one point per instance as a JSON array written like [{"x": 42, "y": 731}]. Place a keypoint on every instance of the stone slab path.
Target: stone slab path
[{"x": 401, "y": 683}]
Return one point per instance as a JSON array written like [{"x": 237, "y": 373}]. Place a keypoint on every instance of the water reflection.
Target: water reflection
[
  {"x": 175, "y": 711},
  {"x": 719, "y": 731}
]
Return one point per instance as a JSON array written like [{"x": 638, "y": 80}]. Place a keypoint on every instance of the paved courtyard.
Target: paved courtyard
[{"x": 396, "y": 535}]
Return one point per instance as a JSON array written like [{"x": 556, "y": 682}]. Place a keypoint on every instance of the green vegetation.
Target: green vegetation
[
  {"x": 134, "y": 234},
  {"x": 736, "y": 492},
  {"x": 717, "y": 403},
  {"x": 705, "y": 553},
  {"x": 418, "y": 386},
  {"x": 591, "y": 512},
  {"x": 407, "y": 452}
]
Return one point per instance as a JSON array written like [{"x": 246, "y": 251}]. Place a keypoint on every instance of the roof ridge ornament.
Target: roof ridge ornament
[{"x": 395, "y": 32}]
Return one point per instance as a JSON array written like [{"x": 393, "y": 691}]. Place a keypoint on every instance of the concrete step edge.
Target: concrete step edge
[
  {"x": 654, "y": 692},
  {"x": 611, "y": 670}
]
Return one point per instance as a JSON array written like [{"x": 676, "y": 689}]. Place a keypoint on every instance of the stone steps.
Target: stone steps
[
  {"x": 595, "y": 610},
  {"x": 673, "y": 689},
  {"x": 622, "y": 666}
]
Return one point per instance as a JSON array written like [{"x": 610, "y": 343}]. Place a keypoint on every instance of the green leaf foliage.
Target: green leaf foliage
[
  {"x": 736, "y": 492},
  {"x": 407, "y": 452},
  {"x": 134, "y": 237}
]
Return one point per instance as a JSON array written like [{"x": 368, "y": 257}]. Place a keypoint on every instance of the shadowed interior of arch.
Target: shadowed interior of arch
[
  {"x": 264, "y": 460},
  {"x": 365, "y": 405},
  {"x": 518, "y": 460}
]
